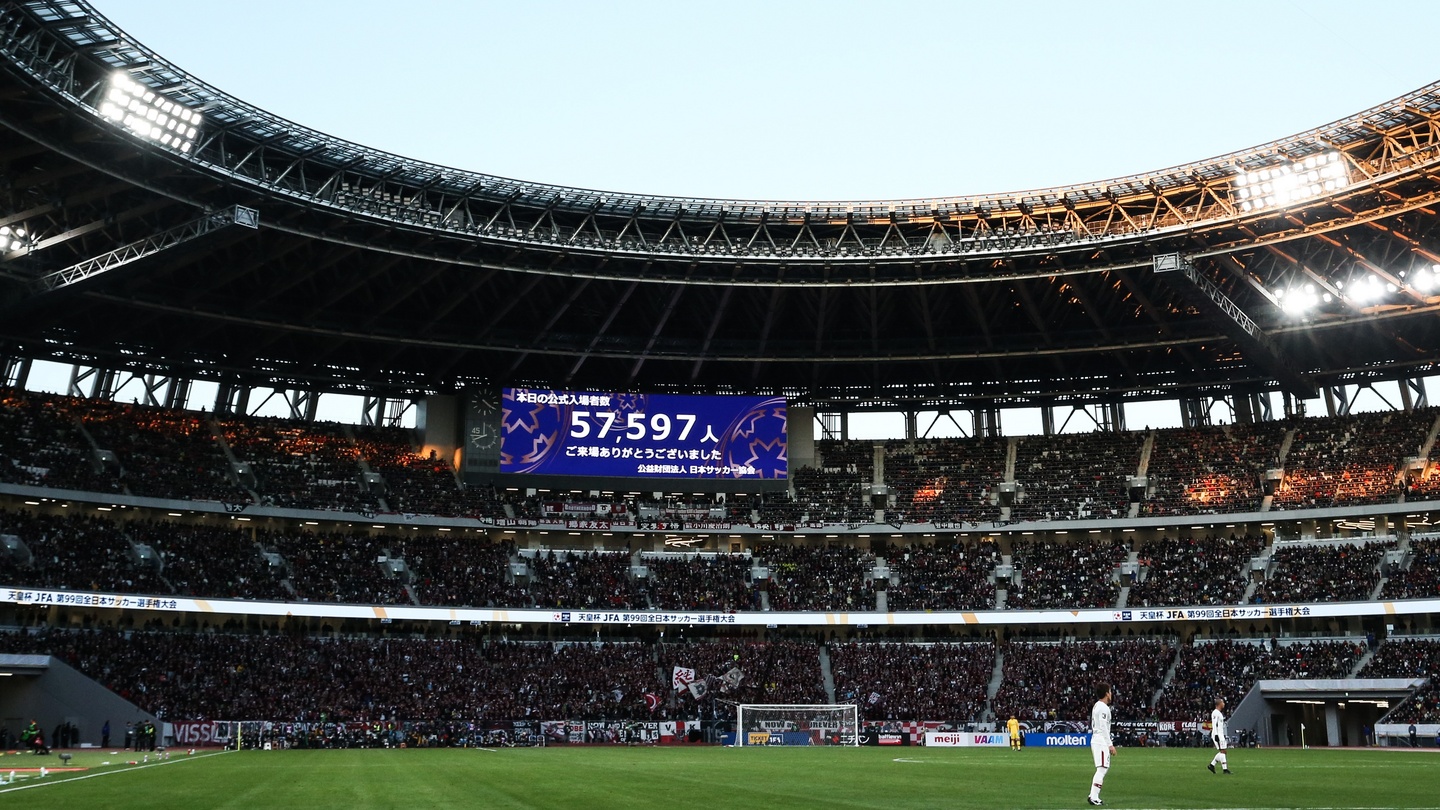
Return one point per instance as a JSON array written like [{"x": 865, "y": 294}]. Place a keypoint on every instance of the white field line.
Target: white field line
[{"x": 40, "y": 783}]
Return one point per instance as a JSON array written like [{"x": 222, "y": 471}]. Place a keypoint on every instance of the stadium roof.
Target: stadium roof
[{"x": 1302, "y": 262}]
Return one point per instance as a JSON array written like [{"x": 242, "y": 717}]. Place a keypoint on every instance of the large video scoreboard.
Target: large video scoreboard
[{"x": 621, "y": 435}]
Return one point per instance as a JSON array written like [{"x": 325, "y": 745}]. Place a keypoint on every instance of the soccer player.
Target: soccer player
[
  {"x": 1013, "y": 726},
  {"x": 1217, "y": 736},
  {"x": 1101, "y": 748}
]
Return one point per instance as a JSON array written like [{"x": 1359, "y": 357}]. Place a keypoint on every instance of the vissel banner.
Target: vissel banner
[
  {"x": 200, "y": 733},
  {"x": 965, "y": 738}
]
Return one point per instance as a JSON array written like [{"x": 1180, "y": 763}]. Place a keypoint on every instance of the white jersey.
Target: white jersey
[
  {"x": 1100, "y": 725},
  {"x": 1217, "y": 724}
]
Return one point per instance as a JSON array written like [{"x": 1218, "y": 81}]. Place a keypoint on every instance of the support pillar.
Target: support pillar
[
  {"x": 232, "y": 399},
  {"x": 1194, "y": 413},
  {"x": 987, "y": 422},
  {"x": 912, "y": 426},
  {"x": 177, "y": 394},
  {"x": 14, "y": 371},
  {"x": 1047, "y": 420},
  {"x": 1112, "y": 417},
  {"x": 1336, "y": 402},
  {"x": 1412, "y": 394}
]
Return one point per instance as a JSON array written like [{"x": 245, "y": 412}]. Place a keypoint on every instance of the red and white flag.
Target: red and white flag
[
  {"x": 652, "y": 702},
  {"x": 683, "y": 677}
]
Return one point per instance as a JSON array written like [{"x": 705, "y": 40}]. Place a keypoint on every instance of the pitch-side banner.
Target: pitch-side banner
[
  {"x": 45, "y": 597},
  {"x": 599, "y": 433},
  {"x": 965, "y": 738}
]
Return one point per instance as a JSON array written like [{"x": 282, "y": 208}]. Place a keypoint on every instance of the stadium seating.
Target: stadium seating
[
  {"x": 1194, "y": 571},
  {"x": 1074, "y": 476},
  {"x": 1421, "y": 578},
  {"x": 1056, "y": 680},
  {"x": 1227, "y": 668},
  {"x": 906, "y": 681},
  {"x": 1075, "y": 574},
  {"x": 1212, "y": 470},
  {"x": 805, "y": 578},
  {"x": 942, "y": 577},
  {"x": 1341, "y": 572},
  {"x": 1410, "y": 658}
]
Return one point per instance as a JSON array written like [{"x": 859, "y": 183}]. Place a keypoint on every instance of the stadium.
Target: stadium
[{"x": 603, "y": 496}]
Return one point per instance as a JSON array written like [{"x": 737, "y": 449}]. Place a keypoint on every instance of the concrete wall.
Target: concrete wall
[
  {"x": 60, "y": 694},
  {"x": 800, "y": 424},
  {"x": 438, "y": 420}
]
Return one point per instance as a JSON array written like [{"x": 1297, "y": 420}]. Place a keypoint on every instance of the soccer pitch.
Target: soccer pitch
[{"x": 770, "y": 778}]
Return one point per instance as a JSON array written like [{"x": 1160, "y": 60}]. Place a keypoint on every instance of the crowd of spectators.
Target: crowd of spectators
[
  {"x": 284, "y": 676},
  {"x": 1080, "y": 573},
  {"x": 1210, "y": 470},
  {"x": 1344, "y": 460},
  {"x": 1075, "y": 476},
  {"x": 958, "y": 576},
  {"x": 164, "y": 453},
  {"x": 1340, "y": 572},
  {"x": 781, "y": 671},
  {"x": 905, "y": 681},
  {"x": 186, "y": 676},
  {"x": 210, "y": 561},
  {"x": 300, "y": 465},
  {"x": 41, "y": 444},
  {"x": 1421, "y": 578},
  {"x": 946, "y": 480},
  {"x": 810, "y": 578},
  {"x": 415, "y": 483},
  {"x": 1423, "y": 485},
  {"x": 1056, "y": 680},
  {"x": 701, "y": 582},
  {"x": 1350, "y": 460},
  {"x": 339, "y": 566},
  {"x": 579, "y": 579},
  {"x": 74, "y": 551},
  {"x": 461, "y": 571},
  {"x": 1410, "y": 658},
  {"x": 1194, "y": 570},
  {"x": 1227, "y": 668}
]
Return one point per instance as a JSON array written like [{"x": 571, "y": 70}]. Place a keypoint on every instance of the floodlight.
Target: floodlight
[
  {"x": 1285, "y": 184},
  {"x": 13, "y": 238},
  {"x": 1299, "y": 301},
  {"x": 148, "y": 115}
]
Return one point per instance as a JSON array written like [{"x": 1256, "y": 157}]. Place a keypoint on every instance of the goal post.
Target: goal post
[{"x": 797, "y": 724}]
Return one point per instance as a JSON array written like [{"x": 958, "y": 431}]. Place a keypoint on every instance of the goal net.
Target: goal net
[{"x": 797, "y": 724}]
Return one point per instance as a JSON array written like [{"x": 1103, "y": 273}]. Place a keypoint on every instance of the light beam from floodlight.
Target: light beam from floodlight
[{"x": 151, "y": 116}]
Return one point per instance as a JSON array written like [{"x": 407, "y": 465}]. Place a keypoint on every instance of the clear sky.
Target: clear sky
[{"x": 800, "y": 100}]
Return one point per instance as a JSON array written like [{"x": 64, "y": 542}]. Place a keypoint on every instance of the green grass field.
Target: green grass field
[{"x": 759, "y": 778}]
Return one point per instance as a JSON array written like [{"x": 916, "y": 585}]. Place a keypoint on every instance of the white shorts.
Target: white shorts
[
  {"x": 1218, "y": 741},
  {"x": 1101, "y": 753}
]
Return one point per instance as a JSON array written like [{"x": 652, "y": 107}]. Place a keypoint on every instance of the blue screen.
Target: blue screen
[{"x": 600, "y": 433}]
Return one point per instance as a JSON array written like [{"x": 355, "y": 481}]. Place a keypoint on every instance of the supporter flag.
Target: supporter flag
[
  {"x": 874, "y": 698},
  {"x": 731, "y": 680},
  {"x": 652, "y": 701},
  {"x": 682, "y": 677},
  {"x": 619, "y": 695},
  {"x": 698, "y": 689}
]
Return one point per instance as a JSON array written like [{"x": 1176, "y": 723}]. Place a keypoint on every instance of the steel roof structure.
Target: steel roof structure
[{"x": 377, "y": 273}]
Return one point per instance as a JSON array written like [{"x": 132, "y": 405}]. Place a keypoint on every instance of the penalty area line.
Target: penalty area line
[{"x": 29, "y": 785}]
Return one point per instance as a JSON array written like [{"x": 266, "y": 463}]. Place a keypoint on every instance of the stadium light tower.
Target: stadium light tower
[
  {"x": 135, "y": 107},
  {"x": 1281, "y": 185}
]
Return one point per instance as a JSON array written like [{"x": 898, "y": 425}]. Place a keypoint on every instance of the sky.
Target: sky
[{"x": 800, "y": 100}]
